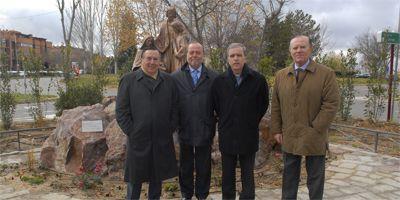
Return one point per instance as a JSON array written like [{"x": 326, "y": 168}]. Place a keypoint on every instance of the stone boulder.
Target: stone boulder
[
  {"x": 116, "y": 142},
  {"x": 68, "y": 148},
  {"x": 108, "y": 100},
  {"x": 266, "y": 143},
  {"x": 110, "y": 110}
]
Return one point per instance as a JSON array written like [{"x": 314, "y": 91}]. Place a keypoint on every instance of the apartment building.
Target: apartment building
[{"x": 12, "y": 43}]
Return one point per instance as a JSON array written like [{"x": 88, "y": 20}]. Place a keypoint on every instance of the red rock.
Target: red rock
[
  {"x": 73, "y": 147},
  {"x": 116, "y": 142}
]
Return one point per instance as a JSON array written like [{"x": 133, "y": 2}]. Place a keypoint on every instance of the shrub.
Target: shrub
[
  {"x": 33, "y": 180},
  {"x": 34, "y": 64},
  {"x": 346, "y": 83},
  {"x": 171, "y": 187},
  {"x": 78, "y": 94},
  {"x": 7, "y": 98}
]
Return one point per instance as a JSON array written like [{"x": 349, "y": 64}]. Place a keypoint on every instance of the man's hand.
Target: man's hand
[{"x": 278, "y": 138}]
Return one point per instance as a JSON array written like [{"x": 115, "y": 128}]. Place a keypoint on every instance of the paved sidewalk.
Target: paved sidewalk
[{"x": 357, "y": 174}]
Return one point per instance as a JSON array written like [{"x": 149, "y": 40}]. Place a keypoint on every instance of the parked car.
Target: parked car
[{"x": 362, "y": 75}]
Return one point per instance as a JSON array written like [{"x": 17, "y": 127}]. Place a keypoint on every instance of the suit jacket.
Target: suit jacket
[{"x": 196, "y": 115}]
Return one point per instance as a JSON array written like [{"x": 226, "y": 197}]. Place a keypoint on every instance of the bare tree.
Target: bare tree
[
  {"x": 67, "y": 32},
  {"x": 89, "y": 30},
  {"x": 225, "y": 24},
  {"x": 101, "y": 10},
  {"x": 195, "y": 13},
  {"x": 149, "y": 15},
  {"x": 83, "y": 30},
  {"x": 270, "y": 11},
  {"x": 375, "y": 57}
]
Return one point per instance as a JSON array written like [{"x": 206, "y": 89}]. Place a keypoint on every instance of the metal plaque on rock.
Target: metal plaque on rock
[{"x": 92, "y": 125}]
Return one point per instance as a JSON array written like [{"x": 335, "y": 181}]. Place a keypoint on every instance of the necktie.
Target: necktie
[
  {"x": 195, "y": 76},
  {"x": 238, "y": 80},
  {"x": 298, "y": 71}
]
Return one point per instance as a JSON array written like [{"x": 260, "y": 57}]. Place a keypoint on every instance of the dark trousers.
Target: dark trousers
[
  {"x": 229, "y": 162},
  {"x": 198, "y": 159},
  {"x": 133, "y": 190},
  {"x": 315, "y": 166}
]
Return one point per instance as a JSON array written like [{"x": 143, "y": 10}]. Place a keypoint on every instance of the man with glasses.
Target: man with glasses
[{"x": 146, "y": 110}]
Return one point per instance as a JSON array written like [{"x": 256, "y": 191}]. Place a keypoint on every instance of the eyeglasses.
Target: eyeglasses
[{"x": 151, "y": 59}]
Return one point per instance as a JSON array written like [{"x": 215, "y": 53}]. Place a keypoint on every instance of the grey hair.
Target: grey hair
[
  {"x": 301, "y": 36},
  {"x": 236, "y": 45}
]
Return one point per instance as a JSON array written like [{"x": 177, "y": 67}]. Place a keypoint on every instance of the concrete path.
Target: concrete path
[{"x": 356, "y": 174}]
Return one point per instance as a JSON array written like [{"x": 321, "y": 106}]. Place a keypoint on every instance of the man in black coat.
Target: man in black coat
[
  {"x": 240, "y": 98},
  {"x": 197, "y": 123},
  {"x": 146, "y": 111}
]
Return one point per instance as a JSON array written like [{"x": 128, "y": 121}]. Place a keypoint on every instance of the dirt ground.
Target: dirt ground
[
  {"x": 269, "y": 176},
  {"x": 389, "y": 145},
  {"x": 29, "y": 139}
]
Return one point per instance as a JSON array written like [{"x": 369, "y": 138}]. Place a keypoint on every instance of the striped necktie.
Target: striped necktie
[{"x": 195, "y": 76}]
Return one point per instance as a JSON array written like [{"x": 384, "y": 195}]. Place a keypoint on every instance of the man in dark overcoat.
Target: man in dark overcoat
[
  {"x": 197, "y": 123},
  {"x": 304, "y": 103},
  {"x": 146, "y": 111},
  {"x": 240, "y": 98}
]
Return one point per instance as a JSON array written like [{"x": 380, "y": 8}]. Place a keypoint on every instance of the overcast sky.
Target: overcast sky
[{"x": 344, "y": 19}]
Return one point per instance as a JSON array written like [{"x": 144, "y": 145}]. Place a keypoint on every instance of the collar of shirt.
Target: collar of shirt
[
  {"x": 191, "y": 69},
  {"x": 304, "y": 67}
]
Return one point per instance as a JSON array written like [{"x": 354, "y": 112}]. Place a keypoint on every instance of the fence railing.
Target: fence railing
[
  {"x": 20, "y": 131},
  {"x": 375, "y": 133}
]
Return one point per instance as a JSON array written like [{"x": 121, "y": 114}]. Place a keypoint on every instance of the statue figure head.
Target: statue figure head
[
  {"x": 178, "y": 27},
  {"x": 171, "y": 13},
  {"x": 147, "y": 42}
]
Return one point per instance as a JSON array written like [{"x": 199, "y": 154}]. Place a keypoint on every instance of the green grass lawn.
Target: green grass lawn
[
  {"x": 27, "y": 98},
  {"x": 360, "y": 81},
  {"x": 112, "y": 79}
]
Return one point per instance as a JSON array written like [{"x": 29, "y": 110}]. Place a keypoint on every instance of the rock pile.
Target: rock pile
[{"x": 68, "y": 148}]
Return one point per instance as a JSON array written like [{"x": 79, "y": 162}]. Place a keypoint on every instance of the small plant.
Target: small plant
[
  {"x": 87, "y": 179},
  {"x": 375, "y": 55},
  {"x": 31, "y": 160},
  {"x": 170, "y": 187},
  {"x": 346, "y": 83},
  {"x": 33, "y": 180},
  {"x": 7, "y": 97},
  {"x": 33, "y": 64}
]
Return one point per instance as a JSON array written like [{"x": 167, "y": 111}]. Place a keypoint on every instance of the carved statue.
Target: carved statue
[
  {"x": 172, "y": 42},
  {"x": 180, "y": 45}
]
